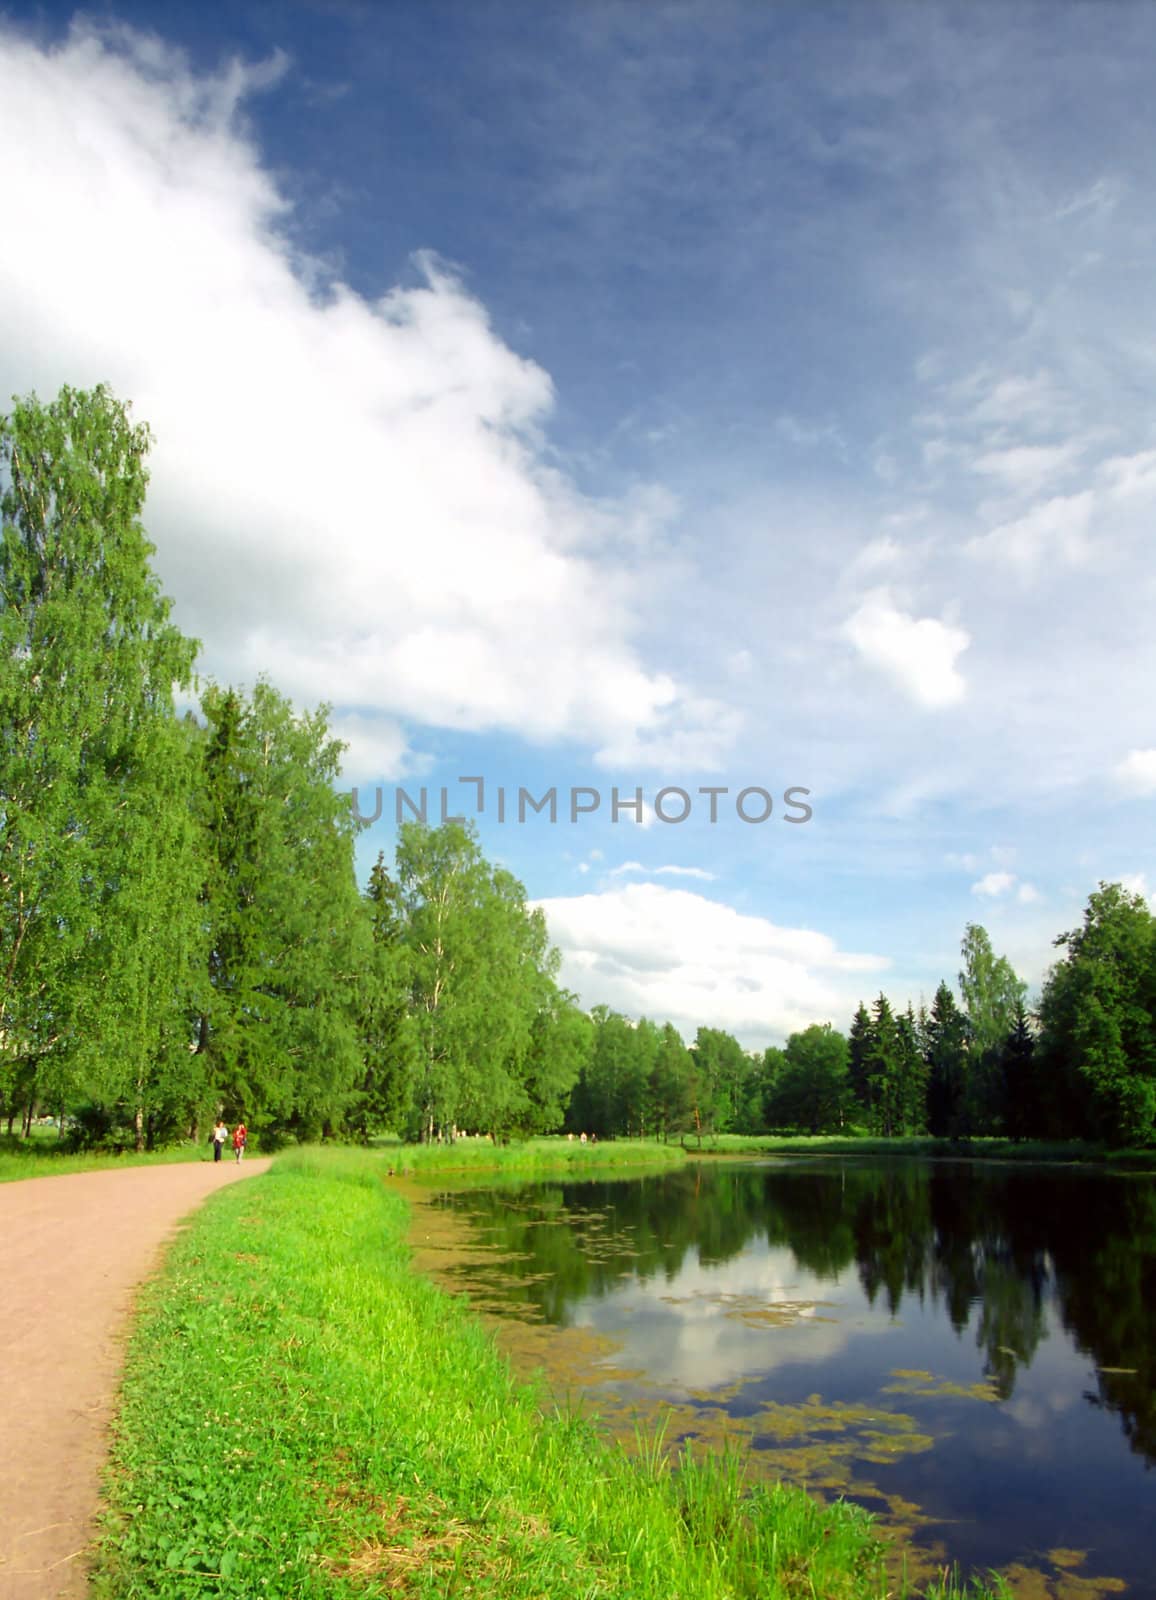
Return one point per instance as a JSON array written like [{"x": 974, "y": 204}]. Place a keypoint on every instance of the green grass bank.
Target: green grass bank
[
  {"x": 41, "y": 1156},
  {"x": 1029, "y": 1150},
  {"x": 556, "y": 1155},
  {"x": 304, "y": 1416}
]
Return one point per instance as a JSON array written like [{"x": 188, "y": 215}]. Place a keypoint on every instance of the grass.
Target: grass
[
  {"x": 303, "y": 1416},
  {"x": 1072, "y": 1150},
  {"x": 41, "y": 1157},
  {"x": 557, "y": 1155}
]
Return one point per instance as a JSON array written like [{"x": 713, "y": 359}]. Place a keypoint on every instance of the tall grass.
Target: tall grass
[
  {"x": 303, "y": 1416},
  {"x": 559, "y": 1155},
  {"x": 979, "y": 1149},
  {"x": 40, "y": 1157}
]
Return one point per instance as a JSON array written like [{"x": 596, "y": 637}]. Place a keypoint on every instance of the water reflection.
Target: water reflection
[{"x": 1008, "y": 1315}]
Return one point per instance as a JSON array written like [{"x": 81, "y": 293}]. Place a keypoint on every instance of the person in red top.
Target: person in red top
[{"x": 240, "y": 1136}]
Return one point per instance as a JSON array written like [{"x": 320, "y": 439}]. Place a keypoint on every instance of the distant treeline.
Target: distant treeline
[{"x": 182, "y": 934}]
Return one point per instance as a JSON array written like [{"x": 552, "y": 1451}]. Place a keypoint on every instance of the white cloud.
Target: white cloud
[
  {"x": 1131, "y": 476},
  {"x": 1025, "y": 469},
  {"x": 625, "y": 868},
  {"x": 1054, "y": 530},
  {"x": 693, "y": 733},
  {"x": 994, "y": 884},
  {"x": 1027, "y": 894},
  {"x": 351, "y": 495},
  {"x": 1137, "y": 772},
  {"x": 377, "y": 748},
  {"x": 917, "y": 654},
  {"x": 648, "y": 950}
]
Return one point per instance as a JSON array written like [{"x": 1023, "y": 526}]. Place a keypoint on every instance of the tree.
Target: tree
[
  {"x": 859, "y": 1048},
  {"x": 671, "y": 1090},
  {"x": 947, "y": 1060},
  {"x": 381, "y": 1098},
  {"x": 561, "y": 1046},
  {"x": 990, "y": 992},
  {"x": 481, "y": 970},
  {"x": 94, "y": 827},
  {"x": 1020, "y": 1085},
  {"x": 1098, "y": 1020},
  {"x": 813, "y": 1090},
  {"x": 286, "y": 930},
  {"x": 721, "y": 1070},
  {"x": 885, "y": 1071},
  {"x": 773, "y": 1068},
  {"x": 912, "y": 1103}
]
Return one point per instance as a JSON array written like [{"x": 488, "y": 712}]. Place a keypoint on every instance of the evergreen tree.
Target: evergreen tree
[
  {"x": 912, "y": 1093},
  {"x": 885, "y": 1063},
  {"x": 947, "y": 1060},
  {"x": 287, "y": 932},
  {"x": 859, "y": 1049},
  {"x": 381, "y": 1098},
  {"x": 1017, "y": 1071}
]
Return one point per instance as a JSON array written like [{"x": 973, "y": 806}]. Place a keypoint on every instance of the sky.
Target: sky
[{"x": 602, "y": 397}]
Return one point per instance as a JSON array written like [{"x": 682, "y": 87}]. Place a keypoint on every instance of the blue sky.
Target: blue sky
[{"x": 663, "y": 396}]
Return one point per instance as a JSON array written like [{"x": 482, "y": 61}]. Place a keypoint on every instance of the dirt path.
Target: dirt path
[{"x": 74, "y": 1250}]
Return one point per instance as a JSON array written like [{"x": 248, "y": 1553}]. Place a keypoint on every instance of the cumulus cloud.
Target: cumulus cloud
[
  {"x": 994, "y": 884},
  {"x": 376, "y": 748},
  {"x": 918, "y": 654},
  {"x": 648, "y": 950},
  {"x": 1137, "y": 772},
  {"x": 998, "y": 885},
  {"x": 352, "y": 495}
]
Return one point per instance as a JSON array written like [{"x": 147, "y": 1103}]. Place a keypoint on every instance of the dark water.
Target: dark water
[{"x": 967, "y": 1348}]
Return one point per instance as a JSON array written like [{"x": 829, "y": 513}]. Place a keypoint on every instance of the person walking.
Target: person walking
[
  {"x": 240, "y": 1136},
  {"x": 219, "y": 1135}
]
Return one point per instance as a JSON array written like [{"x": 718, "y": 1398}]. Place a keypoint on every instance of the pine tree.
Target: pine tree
[
  {"x": 947, "y": 1060},
  {"x": 859, "y": 1050},
  {"x": 1020, "y": 1090}
]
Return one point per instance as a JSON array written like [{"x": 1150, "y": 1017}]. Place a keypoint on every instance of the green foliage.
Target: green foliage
[
  {"x": 948, "y": 1110},
  {"x": 991, "y": 995},
  {"x": 1098, "y": 1020},
  {"x": 483, "y": 990},
  {"x": 382, "y": 1095},
  {"x": 812, "y": 1093},
  {"x": 95, "y": 835},
  {"x": 288, "y": 937}
]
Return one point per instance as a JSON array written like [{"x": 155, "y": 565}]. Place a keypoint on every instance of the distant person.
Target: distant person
[
  {"x": 219, "y": 1134},
  {"x": 240, "y": 1139}
]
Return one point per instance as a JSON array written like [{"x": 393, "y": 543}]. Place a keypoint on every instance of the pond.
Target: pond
[{"x": 968, "y": 1349}]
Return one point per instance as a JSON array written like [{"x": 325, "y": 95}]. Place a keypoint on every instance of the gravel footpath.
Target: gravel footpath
[{"x": 75, "y": 1249}]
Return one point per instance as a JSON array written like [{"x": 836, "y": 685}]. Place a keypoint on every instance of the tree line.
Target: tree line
[{"x": 182, "y": 933}]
